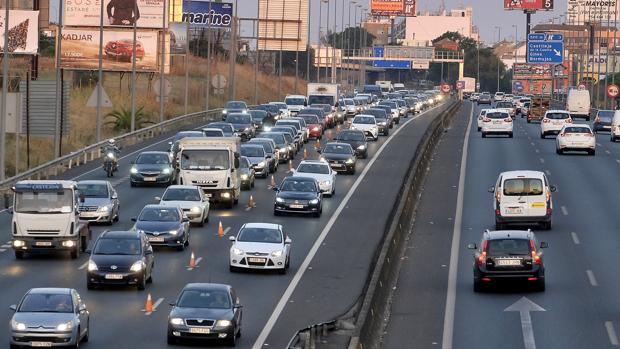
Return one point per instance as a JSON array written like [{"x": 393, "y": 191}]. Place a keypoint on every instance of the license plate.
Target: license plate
[
  {"x": 43, "y": 243},
  {"x": 513, "y": 210},
  {"x": 150, "y": 179},
  {"x": 41, "y": 344},
  {"x": 496, "y": 122},
  {"x": 156, "y": 239},
  {"x": 114, "y": 276},
  {"x": 336, "y": 165},
  {"x": 199, "y": 330},
  {"x": 297, "y": 206},
  {"x": 256, "y": 260},
  {"x": 508, "y": 262}
]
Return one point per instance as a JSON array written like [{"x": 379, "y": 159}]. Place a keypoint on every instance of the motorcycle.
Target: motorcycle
[{"x": 109, "y": 163}]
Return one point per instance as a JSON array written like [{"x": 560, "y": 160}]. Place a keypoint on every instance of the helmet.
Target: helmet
[{"x": 111, "y": 141}]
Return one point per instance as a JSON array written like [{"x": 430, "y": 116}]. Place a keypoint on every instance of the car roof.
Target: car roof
[
  {"x": 120, "y": 234},
  {"x": 212, "y": 129},
  {"x": 178, "y": 186},
  {"x": 521, "y": 174},
  {"x": 249, "y": 145},
  {"x": 50, "y": 290},
  {"x": 164, "y": 207},
  {"x": 508, "y": 234},
  {"x": 263, "y": 225},
  {"x": 295, "y": 96},
  {"x": 261, "y": 140},
  {"x": 557, "y": 111},
  {"x": 93, "y": 181},
  {"x": 314, "y": 162},
  {"x": 204, "y": 285},
  {"x": 188, "y": 132},
  {"x": 154, "y": 152}
]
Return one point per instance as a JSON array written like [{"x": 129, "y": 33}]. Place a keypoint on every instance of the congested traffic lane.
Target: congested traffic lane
[{"x": 118, "y": 311}]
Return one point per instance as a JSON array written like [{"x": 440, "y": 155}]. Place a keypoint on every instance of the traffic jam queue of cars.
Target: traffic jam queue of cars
[{"x": 203, "y": 168}]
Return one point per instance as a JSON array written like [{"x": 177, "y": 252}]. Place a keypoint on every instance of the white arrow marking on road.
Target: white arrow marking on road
[{"x": 524, "y": 306}]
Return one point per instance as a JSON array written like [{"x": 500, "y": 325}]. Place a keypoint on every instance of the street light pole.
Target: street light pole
[
  {"x": 318, "y": 66},
  {"x": 499, "y": 39}
]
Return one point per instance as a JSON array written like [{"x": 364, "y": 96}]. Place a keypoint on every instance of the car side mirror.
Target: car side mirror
[
  {"x": 134, "y": 219},
  {"x": 232, "y": 238},
  {"x": 185, "y": 219},
  {"x": 10, "y": 210},
  {"x": 238, "y": 306},
  {"x": 115, "y": 196},
  {"x": 275, "y": 188},
  {"x": 157, "y": 198},
  {"x": 491, "y": 190},
  {"x": 472, "y": 246},
  {"x": 148, "y": 252},
  {"x": 543, "y": 244},
  {"x": 13, "y": 307},
  {"x": 82, "y": 308},
  {"x": 288, "y": 241},
  {"x": 553, "y": 188}
]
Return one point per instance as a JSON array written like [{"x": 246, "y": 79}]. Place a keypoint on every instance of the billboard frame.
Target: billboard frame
[{"x": 537, "y": 5}]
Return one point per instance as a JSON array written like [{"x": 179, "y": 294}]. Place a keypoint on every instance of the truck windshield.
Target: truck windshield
[
  {"x": 44, "y": 202},
  {"x": 321, "y": 99},
  {"x": 206, "y": 160}
]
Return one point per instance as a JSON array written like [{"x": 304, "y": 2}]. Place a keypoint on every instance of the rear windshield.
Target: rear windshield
[
  {"x": 605, "y": 114},
  {"x": 557, "y": 116},
  {"x": 496, "y": 115},
  {"x": 523, "y": 187},
  {"x": 575, "y": 129},
  {"x": 504, "y": 105},
  {"x": 508, "y": 247}
]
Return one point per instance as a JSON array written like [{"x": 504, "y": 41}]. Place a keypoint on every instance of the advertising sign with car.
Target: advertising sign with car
[
  {"x": 117, "y": 13},
  {"x": 23, "y": 31},
  {"x": 80, "y": 50}
]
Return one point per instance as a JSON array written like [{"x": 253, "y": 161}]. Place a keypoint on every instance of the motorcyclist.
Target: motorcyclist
[{"x": 111, "y": 147}]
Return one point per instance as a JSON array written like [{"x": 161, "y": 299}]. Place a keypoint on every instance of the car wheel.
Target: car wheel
[
  {"x": 19, "y": 254},
  {"x": 282, "y": 271},
  {"x": 479, "y": 129},
  {"x": 171, "y": 339},
  {"x": 202, "y": 220},
  {"x": 592, "y": 152},
  {"x": 142, "y": 283},
  {"x": 232, "y": 340},
  {"x": 117, "y": 217},
  {"x": 90, "y": 285},
  {"x": 77, "y": 340},
  {"x": 252, "y": 183},
  {"x": 230, "y": 204},
  {"x": 557, "y": 151},
  {"x": 478, "y": 286},
  {"x": 484, "y": 135},
  {"x": 529, "y": 121},
  {"x": 75, "y": 253},
  {"x": 612, "y": 138},
  {"x": 540, "y": 285},
  {"x": 276, "y": 212},
  {"x": 547, "y": 225},
  {"x": 543, "y": 135},
  {"x": 132, "y": 184},
  {"x": 181, "y": 247}
]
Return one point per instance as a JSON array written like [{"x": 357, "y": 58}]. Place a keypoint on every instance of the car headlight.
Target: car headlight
[
  {"x": 282, "y": 150},
  {"x": 223, "y": 323},
  {"x": 224, "y": 111},
  {"x": 322, "y": 158},
  {"x": 173, "y": 232},
  {"x": 137, "y": 266},
  {"x": 315, "y": 128},
  {"x": 133, "y": 170},
  {"x": 261, "y": 164},
  {"x": 166, "y": 171},
  {"x": 350, "y": 161},
  {"x": 326, "y": 182},
  {"x": 244, "y": 176},
  {"x": 195, "y": 209},
  {"x": 110, "y": 155},
  {"x": 244, "y": 111},
  {"x": 314, "y": 201},
  {"x": 247, "y": 129},
  {"x": 277, "y": 253},
  {"x": 279, "y": 199},
  {"x": 267, "y": 128},
  {"x": 92, "y": 266},
  {"x": 64, "y": 327},
  {"x": 105, "y": 208},
  {"x": 361, "y": 147},
  {"x": 176, "y": 321},
  {"x": 290, "y": 147},
  {"x": 18, "y": 326},
  {"x": 237, "y": 251},
  {"x": 382, "y": 123}
]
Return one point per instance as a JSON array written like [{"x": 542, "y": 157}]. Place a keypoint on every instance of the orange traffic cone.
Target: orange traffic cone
[
  {"x": 148, "y": 307},
  {"x": 290, "y": 165},
  {"x": 273, "y": 182},
  {"x": 192, "y": 261},
  {"x": 305, "y": 154},
  {"x": 220, "y": 230},
  {"x": 251, "y": 202}
]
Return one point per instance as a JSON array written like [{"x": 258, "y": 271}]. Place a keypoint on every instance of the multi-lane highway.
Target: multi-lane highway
[
  {"x": 435, "y": 304},
  {"x": 117, "y": 319}
]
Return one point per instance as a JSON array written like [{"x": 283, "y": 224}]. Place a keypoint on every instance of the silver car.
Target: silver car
[
  {"x": 98, "y": 201},
  {"x": 49, "y": 317}
]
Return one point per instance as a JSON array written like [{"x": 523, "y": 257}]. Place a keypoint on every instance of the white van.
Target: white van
[
  {"x": 578, "y": 104},
  {"x": 522, "y": 197},
  {"x": 615, "y": 126}
]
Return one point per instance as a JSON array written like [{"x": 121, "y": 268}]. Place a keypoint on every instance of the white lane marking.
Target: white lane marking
[
  {"x": 6, "y": 246},
  {"x": 532, "y": 143},
  {"x": 155, "y": 305},
  {"x": 607, "y": 152},
  {"x": 448, "y": 320},
  {"x": 618, "y": 161},
  {"x": 542, "y": 161},
  {"x": 197, "y": 261},
  {"x": 575, "y": 238},
  {"x": 277, "y": 311},
  {"x": 611, "y": 333},
  {"x": 536, "y": 150},
  {"x": 564, "y": 210},
  {"x": 2, "y": 250},
  {"x": 599, "y": 144},
  {"x": 548, "y": 172},
  {"x": 81, "y": 267},
  {"x": 591, "y": 278}
]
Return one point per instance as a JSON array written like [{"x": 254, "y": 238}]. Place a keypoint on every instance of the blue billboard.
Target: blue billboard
[
  {"x": 392, "y": 64},
  {"x": 207, "y": 14}
]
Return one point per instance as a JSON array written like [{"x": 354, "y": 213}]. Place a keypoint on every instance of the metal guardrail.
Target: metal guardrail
[{"x": 93, "y": 152}]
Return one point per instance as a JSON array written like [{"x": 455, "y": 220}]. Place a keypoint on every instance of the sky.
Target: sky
[{"x": 487, "y": 15}]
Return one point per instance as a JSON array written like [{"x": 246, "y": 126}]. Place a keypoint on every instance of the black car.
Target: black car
[
  {"x": 283, "y": 147},
  {"x": 602, "y": 121},
  {"x": 163, "y": 226},
  {"x": 382, "y": 118},
  {"x": 242, "y": 122},
  {"x": 226, "y": 127},
  {"x": 356, "y": 139},
  {"x": 205, "y": 311},
  {"x": 152, "y": 167},
  {"x": 120, "y": 258},
  {"x": 273, "y": 111},
  {"x": 234, "y": 107},
  {"x": 508, "y": 255},
  {"x": 340, "y": 156},
  {"x": 388, "y": 111},
  {"x": 261, "y": 118},
  {"x": 298, "y": 195},
  {"x": 395, "y": 110}
]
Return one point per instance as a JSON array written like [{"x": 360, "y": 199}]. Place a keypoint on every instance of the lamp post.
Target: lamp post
[
  {"x": 349, "y": 42},
  {"x": 499, "y": 39},
  {"x": 515, "y": 50}
]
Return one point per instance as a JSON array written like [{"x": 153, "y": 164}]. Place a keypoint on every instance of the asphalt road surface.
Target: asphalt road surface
[{"x": 579, "y": 308}]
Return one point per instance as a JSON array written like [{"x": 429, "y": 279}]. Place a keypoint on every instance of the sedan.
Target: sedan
[
  {"x": 98, "y": 201},
  {"x": 260, "y": 246},
  {"x": 226, "y": 127},
  {"x": 234, "y": 107},
  {"x": 152, "y": 167},
  {"x": 315, "y": 128},
  {"x": 356, "y": 139},
  {"x": 164, "y": 225},
  {"x": 283, "y": 147},
  {"x": 382, "y": 118},
  {"x": 497, "y": 122},
  {"x": 205, "y": 311},
  {"x": 190, "y": 199},
  {"x": 480, "y": 119},
  {"x": 602, "y": 121},
  {"x": 120, "y": 258},
  {"x": 368, "y": 124},
  {"x": 340, "y": 156},
  {"x": 270, "y": 148},
  {"x": 298, "y": 195},
  {"x": 258, "y": 158},
  {"x": 577, "y": 137},
  {"x": 321, "y": 171},
  {"x": 49, "y": 317}
]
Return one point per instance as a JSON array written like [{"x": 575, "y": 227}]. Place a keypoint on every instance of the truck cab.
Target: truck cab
[
  {"x": 212, "y": 164},
  {"x": 46, "y": 218}
]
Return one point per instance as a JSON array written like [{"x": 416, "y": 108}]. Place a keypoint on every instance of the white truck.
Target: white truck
[
  {"x": 470, "y": 85},
  {"x": 295, "y": 103},
  {"x": 323, "y": 94},
  {"x": 385, "y": 85},
  {"x": 213, "y": 165},
  {"x": 46, "y": 218}
]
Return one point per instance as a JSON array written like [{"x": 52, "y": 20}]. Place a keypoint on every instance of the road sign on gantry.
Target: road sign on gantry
[{"x": 545, "y": 48}]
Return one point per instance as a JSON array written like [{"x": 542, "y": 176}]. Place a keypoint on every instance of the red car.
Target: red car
[
  {"x": 123, "y": 50},
  {"x": 314, "y": 125}
]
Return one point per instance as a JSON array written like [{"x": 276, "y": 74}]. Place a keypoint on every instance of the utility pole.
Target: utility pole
[
  {"x": 59, "y": 87},
  {"x": 334, "y": 42},
  {"x": 320, "y": 58},
  {"x": 342, "y": 43},
  {"x": 514, "y": 65}
]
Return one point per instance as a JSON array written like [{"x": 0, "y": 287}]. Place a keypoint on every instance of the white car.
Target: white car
[
  {"x": 368, "y": 124},
  {"x": 497, "y": 121},
  {"x": 191, "y": 199},
  {"x": 321, "y": 171},
  {"x": 522, "y": 197},
  {"x": 577, "y": 137},
  {"x": 481, "y": 118},
  {"x": 260, "y": 246},
  {"x": 499, "y": 96},
  {"x": 553, "y": 121}
]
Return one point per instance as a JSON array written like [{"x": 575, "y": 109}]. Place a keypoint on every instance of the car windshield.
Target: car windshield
[
  {"x": 280, "y": 105},
  {"x": 206, "y": 160},
  {"x": 557, "y": 116},
  {"x": 181, "y": 194},
  {"x": 310, "y": 119},
  {"x": 239, "y": 118},
  {"x": 118, "y": 246},
  {"x": 153, "y": 159},
  {"x": 267, "y": 146},
  {"x": 496, "y": 115},
  {"x": 523, "y": 187},
  {"x": 270, "y": 108},
  {"x": 504, "y": 105},
  {"x": 294, "y": 101},
  {"x": 605, "y": 114},
  {"x": 508, "y": 247},
  {"x": 266, "y": 235},
  {"x": 153, "y": 214},
  {"x": 244, "y": 162},
  {"x": 351, "y": 136},
  {"x": 277, "y": 137},
  {"x": 253, "y": 152},
  {"x": 46, "y": 303},
  {"x": 316, "y": 111},
  {"x": 297, "y": 185},
  {"x": 224, "y": 127},
  {"x": 212, "y": 299},
  {"x": 338, "y": 149},
  {"x": 378, "y": 114},
  {"x": 349, "y": 102},
  {"x": 93, "y": 190},
  {"x": 577, "y": 129},
  {"x": 44, "y": 201},
  {"x": 313, "y": 168},
  {"x": 236, "y": 105},
  {"x": 288, "y": 137},
  {"x": 258, "y": 114},
  {"x": 364, "y": 120},
  {"x": 213, "y": 133}
]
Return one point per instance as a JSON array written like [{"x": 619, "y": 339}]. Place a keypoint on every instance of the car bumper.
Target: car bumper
[
  {"x": 157, "y": 179},
  {"x": 257, "y": 262},
  {"x": 523, "y": 219},
  {"x": 496, "y": 130},
  {"x": 219, "y": 195},
  {"x": 305, "y": 208},
  {"x": 340, "y": 167},
  {"x": 165, "y": 240},
  {"x": 214, "y": 333},
  {"x": 534, "y": 274},
  {"x": 315, "y": 133},
  {"x": 32, "y": 244},
  {"x": 599, "y": 127},
  {"x": 42, "y": 339},
  {"x": 95, "y": 216},
  {"x": 114, "y": 278},
  {"x": 260, "y": 171}
]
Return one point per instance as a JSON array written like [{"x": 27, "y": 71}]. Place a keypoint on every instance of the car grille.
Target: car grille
[
  {"x": 88, "y": 208},
  {"x": 199, "y": 322},
  {"x": 52, "y": 339},
  {"x": 150, "y": 173},
  {"x": 295, "y": 202},
  {"x": 257, "y": 254},
  {"x": 119, "y": 268},
  {"x": 42, "y": 232}
]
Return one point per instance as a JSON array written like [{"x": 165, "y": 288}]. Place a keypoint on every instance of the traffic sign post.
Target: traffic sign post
[
  {"x": 613, "y": 91},
  {"x": 545, "y": 48},
  {"x": 445, "y": 88},
  {"x": 460, "y": 85}
]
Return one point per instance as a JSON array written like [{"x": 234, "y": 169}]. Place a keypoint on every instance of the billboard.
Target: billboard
[
  {"x": 117, "y": 13},
  {"x": 178, "y": 38},
  {"x": 80, "y": 50},
  {"x": 409, "y": 9},
  {"x": 528, "y": 5},
  {"x": 582, "y": 11},
  {"x": 525, "y": 71},
  {"x": 387, "y": 7},
  {"x": 200, "y": 13},
  {"x": 283, "y": 25},
  {"x": 23, "y": 31}
]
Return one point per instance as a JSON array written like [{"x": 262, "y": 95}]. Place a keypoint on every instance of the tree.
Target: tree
[
  {"x": 350, "y": 38},
  {"x": 120, "y": 120}
]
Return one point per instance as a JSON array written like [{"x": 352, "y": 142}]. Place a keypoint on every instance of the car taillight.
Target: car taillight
[
  {"x": 486, "y": 120},
  {"x": 508, "y": 120},
  {"x": 548, "y": 195},
  {"x": 535, "y": 256},
  {"x": 498, "y": 196},
  {"x": 483, "y": 255}
]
